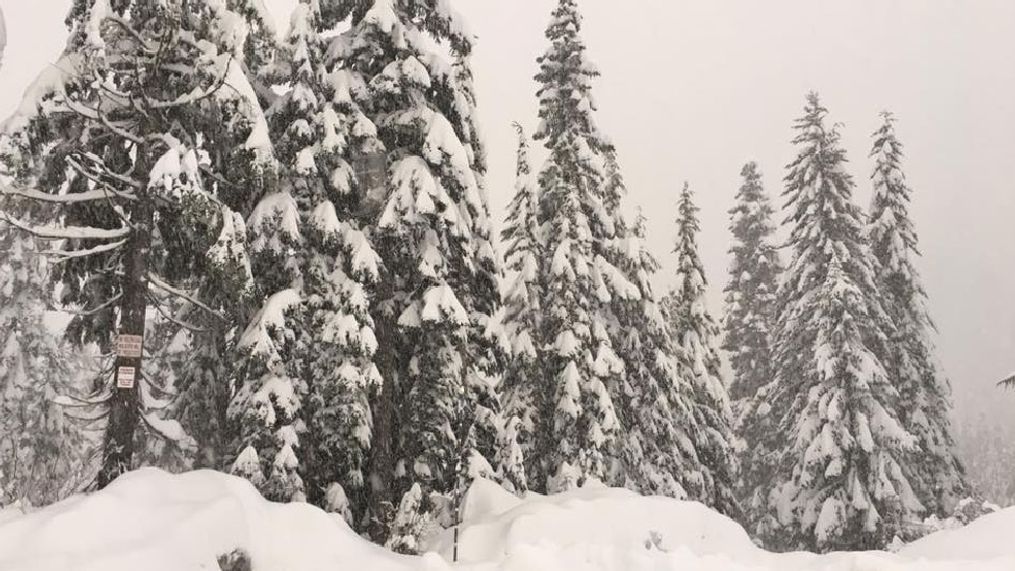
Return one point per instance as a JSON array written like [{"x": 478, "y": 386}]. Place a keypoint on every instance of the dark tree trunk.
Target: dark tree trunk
[
  {"x": 382, "y": 459},
  {"x": 124, "y": 404}
]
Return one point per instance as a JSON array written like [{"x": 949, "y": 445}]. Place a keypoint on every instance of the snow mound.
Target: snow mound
[
  {"x": 155, "y": 521},
  {"x": 986, "y": 538},
  {"x": 496, "y": 524}
]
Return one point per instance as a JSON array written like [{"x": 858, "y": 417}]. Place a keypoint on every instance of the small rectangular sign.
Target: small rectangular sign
[
  {"x": 125, "y": 377},
  {"x": 129, "y": 346}
]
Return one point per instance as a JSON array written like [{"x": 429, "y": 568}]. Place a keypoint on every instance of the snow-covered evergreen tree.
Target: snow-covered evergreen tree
[
  {"x": 429, "y": 223},
  {"x": 751, "y": 291},
  {"x": 304, "y": 402},
  {"x": 143, "y": 140},
  {"x": 695, "y": 335},
  {"x": 835, "y": 459},
  {"x": 523, "y": 299},
  {"x": 750, "y": 321},
  {"x": 657, "y": 401},
  {"x": 845, "y": 485},
  {"x": 43, "y": 451},
  {"x": 578, "y": 426},
  {"x": 935, "y": 472}
]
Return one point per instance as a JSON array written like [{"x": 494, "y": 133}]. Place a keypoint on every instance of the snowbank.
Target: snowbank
[
  {"x": 154, "y": 521},
  {"x": 498, "y": 524}
]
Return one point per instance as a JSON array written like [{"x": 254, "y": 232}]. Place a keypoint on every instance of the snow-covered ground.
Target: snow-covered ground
[{"x": 154, "y": 521}]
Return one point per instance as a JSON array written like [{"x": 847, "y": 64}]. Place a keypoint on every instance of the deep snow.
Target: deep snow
[{"x": 155, "y": 521}]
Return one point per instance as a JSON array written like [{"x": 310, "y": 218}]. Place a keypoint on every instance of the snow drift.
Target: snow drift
[{"x": 155, "y": 521}]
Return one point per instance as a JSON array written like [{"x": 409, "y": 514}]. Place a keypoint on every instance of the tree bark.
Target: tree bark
[{"x": 125, "y": 402}]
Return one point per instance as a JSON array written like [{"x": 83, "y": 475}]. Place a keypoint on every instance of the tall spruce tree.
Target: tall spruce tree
[
  {"x": 304, "y": 401},
  {"x": 429, "y": 224},
  {"x": 143, "y": 140},
  {"x": 750, "y": 323},
  {"x": 935, "y": 472},
  {"x": 752, "y": 288},
  {"x": 836, "y": 477},
  {"x": 694, "y": 333},
  {"x": 523, "y": 316},
  {"x": 578, "y": 419}
]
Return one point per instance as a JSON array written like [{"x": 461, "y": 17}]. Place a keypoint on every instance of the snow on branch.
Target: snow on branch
[
  {"x": 159, "y": 283},
  {"x": 65, "y": 255},
  {"x": 51, "y": 232},
  {"x": 70, "y": 198}
]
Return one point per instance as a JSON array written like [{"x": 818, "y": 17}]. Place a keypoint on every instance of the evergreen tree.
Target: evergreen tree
[
  {"x": 751, "y": 291},
  {"x": 429, "y": 224},
  {"x": 144, "y": 139},
  {"x": 657, "y": 411},
  {"x": 578, "y": 419},
  {"x": 750, "y": 322},
  {"x": 43, "y": 452},
  {"x": 836, "y": 478},
  {"x": 523, "y": 319},
  {"x": 935, "y": 471},
  {"x": 304, "y": 405},
  {"x": 694, "y": 333}
]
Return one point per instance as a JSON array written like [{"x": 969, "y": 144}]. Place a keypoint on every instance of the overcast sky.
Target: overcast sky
[{"x": 692, "y": 90}]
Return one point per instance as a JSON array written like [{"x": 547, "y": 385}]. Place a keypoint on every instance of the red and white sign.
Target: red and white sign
[
  {"x": 125, "y": 377},
  {"x": 129, "y": 346}
]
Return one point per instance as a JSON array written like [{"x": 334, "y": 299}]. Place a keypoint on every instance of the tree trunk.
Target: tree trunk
[
  {"x": 125, "y": 403},
  {"x": 381, "y": 503}
]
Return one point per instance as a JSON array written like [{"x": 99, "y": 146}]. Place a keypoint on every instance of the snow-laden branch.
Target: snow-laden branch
[
  {"x": 94, "y": 310},
  {"x": 65, "y": 255},
  {"x": 162, "y": 285},
  {"x": 172, "y": 319},
  {"x": 70, "y": 198},
  {"x": 106, "y": 171},
  {"x": 51, "y": 232}
]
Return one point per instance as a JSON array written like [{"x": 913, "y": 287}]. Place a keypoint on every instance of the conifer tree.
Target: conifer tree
[
  {"x": 144, "y": 140},
  {"x": 304, "y": 404},
  {"x": 695, "y": 333},
  {"x": 578, "y": 425},
  {"x": 44, "y": 455},
  {"x": 750, "y": 322},
  {"x": 523, "y": 319},
  {"x": 657, "y": 401},
  {"x": 936, "y": 474},
  {"x": 751, "y": 291},
  {"x": 429, "y": 224},
  {"x": 836, "y": 477}
]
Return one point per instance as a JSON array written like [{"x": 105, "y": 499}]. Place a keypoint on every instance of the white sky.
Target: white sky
[{"x": 693, "y": 89}]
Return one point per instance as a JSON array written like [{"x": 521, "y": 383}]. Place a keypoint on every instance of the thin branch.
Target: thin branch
[
  {"x": 159, "y": 283},
  {"x": 158, "y": 306},
  {"x": 65, "y": 255},
  {"x": 96, "y": 309}
]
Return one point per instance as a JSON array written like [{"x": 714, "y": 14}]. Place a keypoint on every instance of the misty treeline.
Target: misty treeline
[{"x": 299, "y": 230}]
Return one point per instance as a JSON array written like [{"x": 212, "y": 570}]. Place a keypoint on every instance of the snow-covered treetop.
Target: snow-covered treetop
[
  {"x": 892, "y": 235},
  {"x": 565, "y": 75},
  {"x": 521, "y": 232},
  {"x": 691, "y": 282},
  {"x": 819, "y": 203}
]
